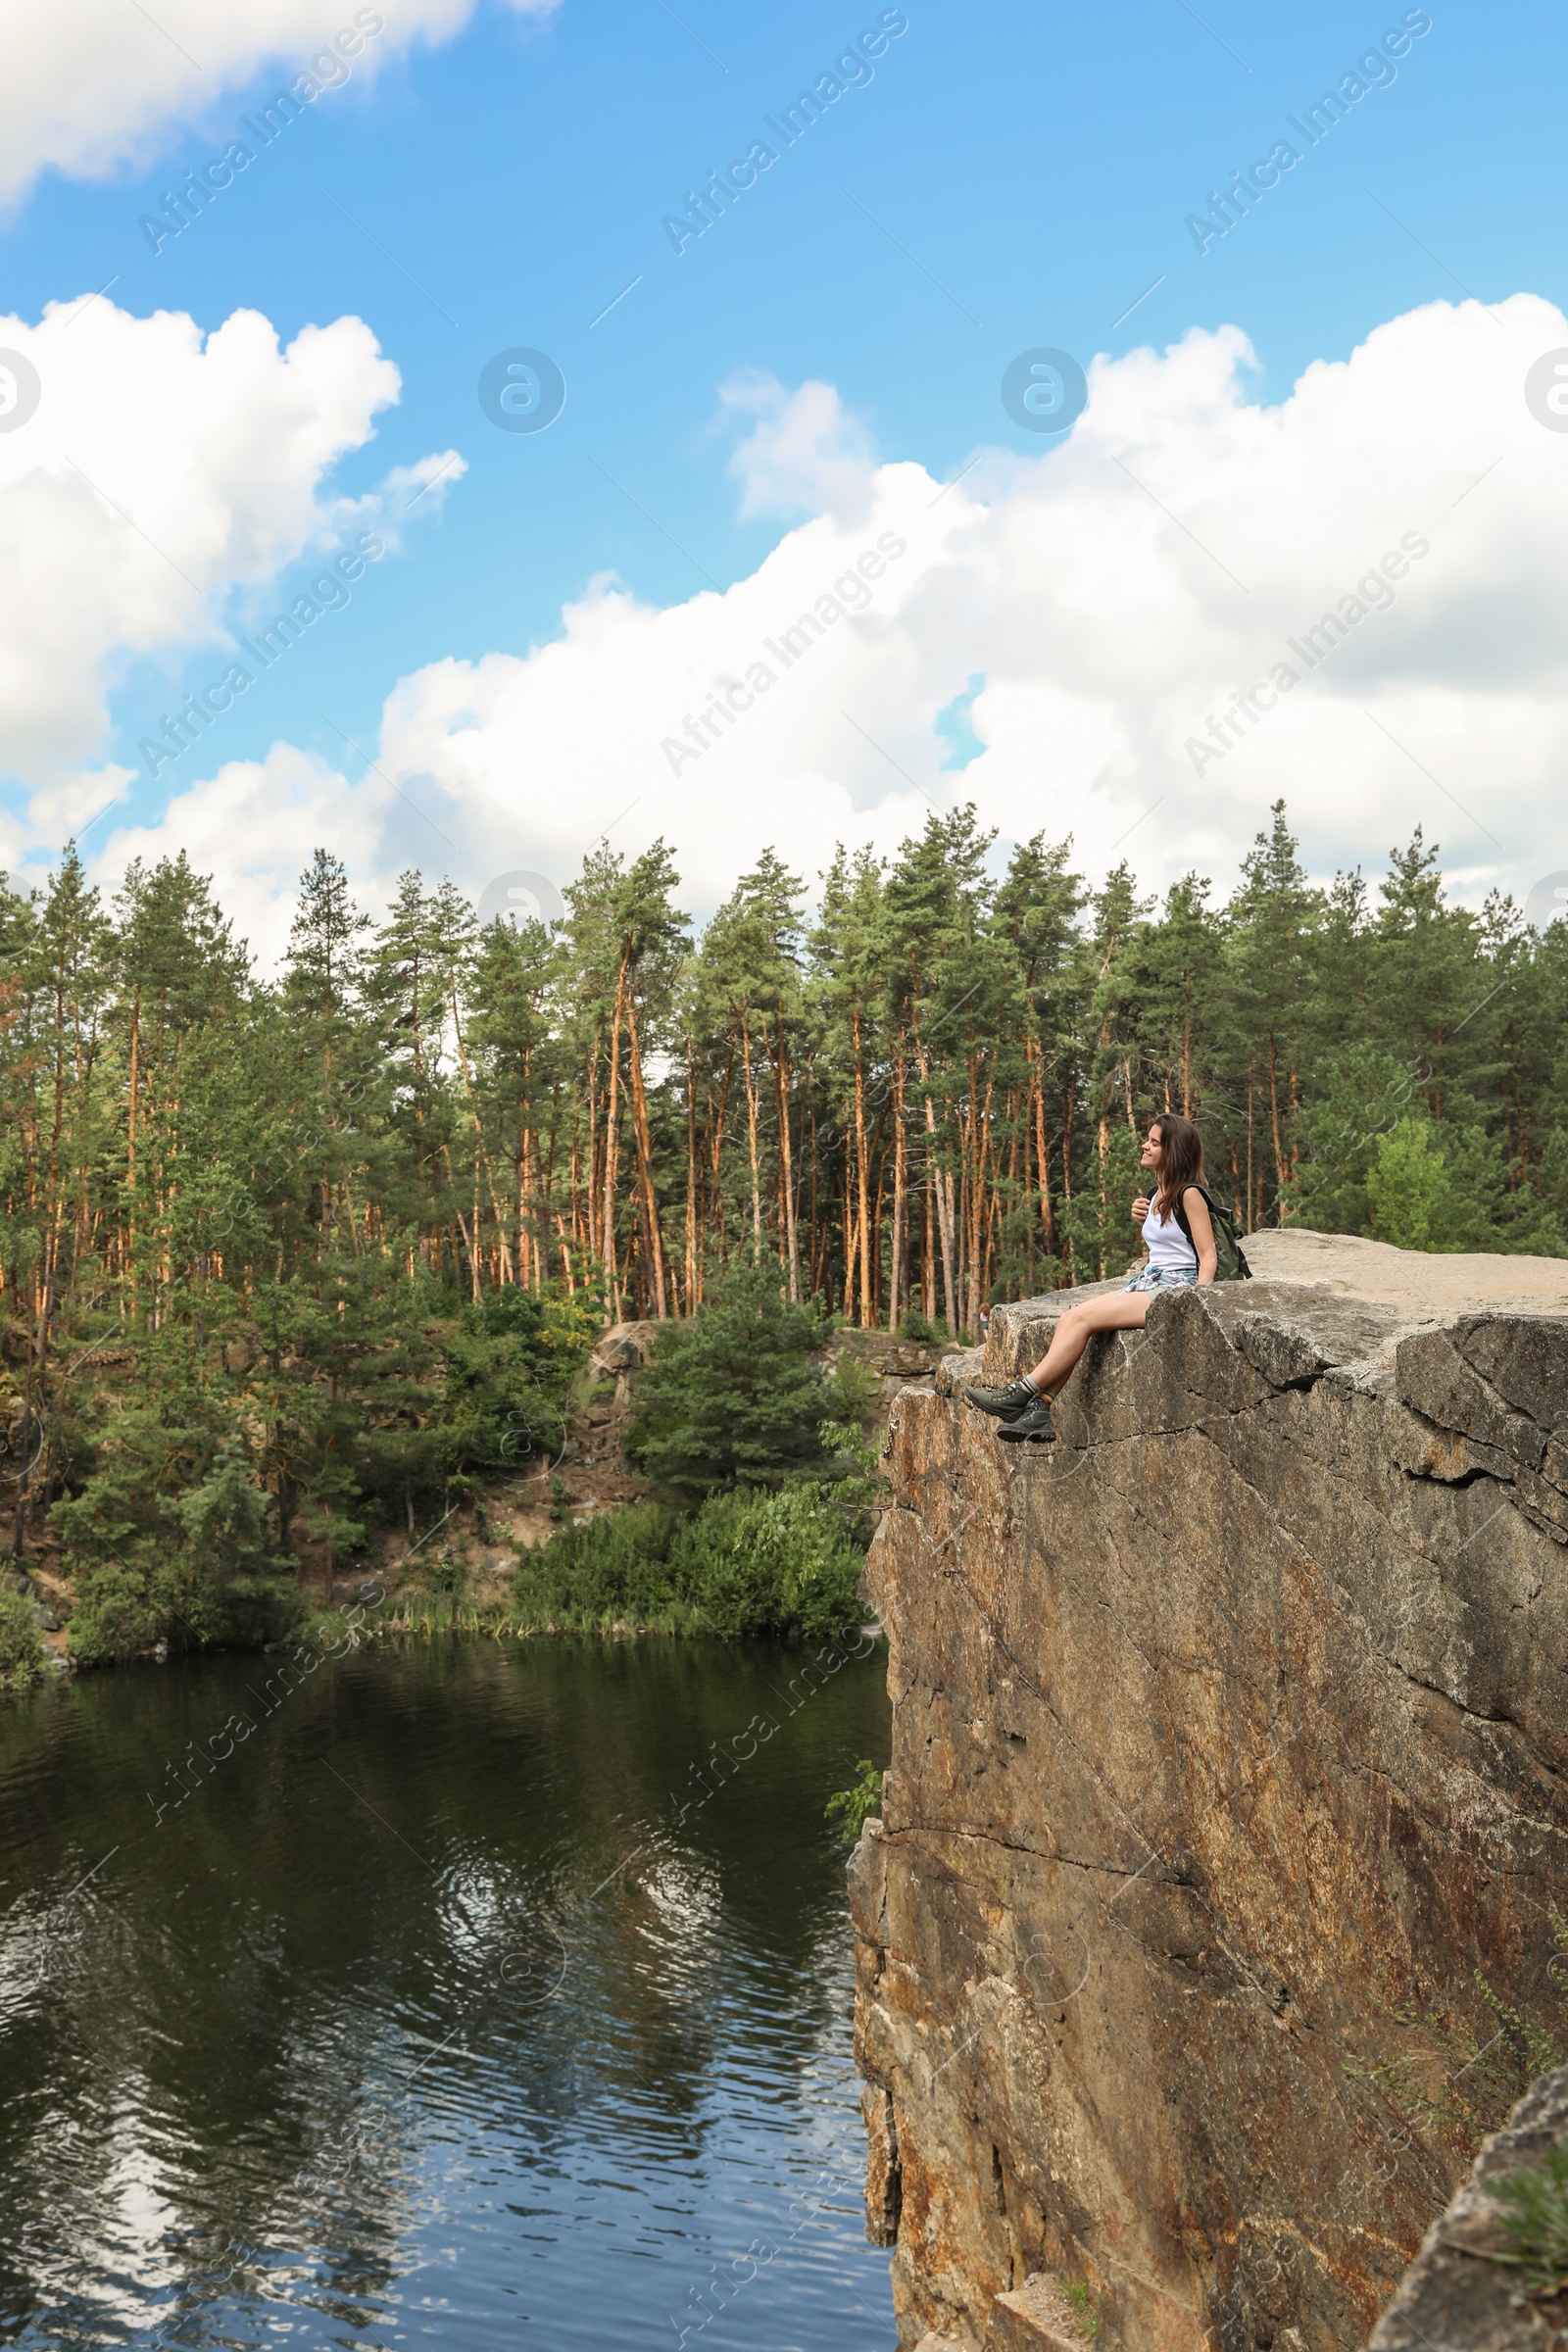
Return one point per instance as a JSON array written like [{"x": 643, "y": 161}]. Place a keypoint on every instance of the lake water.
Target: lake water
[{"x": 448, "y": 2008}]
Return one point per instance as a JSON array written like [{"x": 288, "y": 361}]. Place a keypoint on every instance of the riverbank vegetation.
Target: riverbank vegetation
[
  {"x": 765, "y": 1483},
  {"x": 289, "y": 1263}
]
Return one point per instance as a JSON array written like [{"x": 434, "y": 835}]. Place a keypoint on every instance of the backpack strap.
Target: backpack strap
[{"x": 1181, "y": 1211}]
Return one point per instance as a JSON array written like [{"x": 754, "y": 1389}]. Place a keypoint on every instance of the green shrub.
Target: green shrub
[
  {"x": 510, "y": 1362},
  {"x": 859, "y": 1801},
  {"x": 116, "y": 1613},
  {"x": 855, "y": 1389},
  {"x": 190, "y": 1565},
  {"x": 913, "y": 1325},
  {"x": 613, "y": 1567},
  {"x": 23, "y": 1654},
  {"x": 1363, "y": 1096},
  {"x": 1407, "y": 1187},
  {"x": 782, "y": 1564},
  {"x": 1085, "y": 2307},
  {"x": 126, "y": 1605},
  {"x": 1378, "y": 1162},
  {"x": 732, "y": 1397},
  {"x": 744, "y": 1565},
  {"x": 1534, "y": 2203}
]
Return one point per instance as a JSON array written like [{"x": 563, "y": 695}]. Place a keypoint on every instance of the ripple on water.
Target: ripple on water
[{"x": 428, "y": 2017}]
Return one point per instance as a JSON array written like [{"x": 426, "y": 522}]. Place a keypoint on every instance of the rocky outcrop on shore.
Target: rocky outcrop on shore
[{"x": 1211, "y": 1913}]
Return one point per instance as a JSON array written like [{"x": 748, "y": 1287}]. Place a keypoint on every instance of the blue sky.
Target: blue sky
[{"x": 1005, "y": 179}]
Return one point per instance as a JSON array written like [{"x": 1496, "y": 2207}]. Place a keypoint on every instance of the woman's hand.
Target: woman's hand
[{"x": 1140, "y": 1209}]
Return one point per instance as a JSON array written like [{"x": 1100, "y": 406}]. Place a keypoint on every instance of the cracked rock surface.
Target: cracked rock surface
[{"x": 1229, "y": 1744}]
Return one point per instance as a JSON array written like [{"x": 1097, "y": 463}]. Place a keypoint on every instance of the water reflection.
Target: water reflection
[{"x": 442, "y": 2008}]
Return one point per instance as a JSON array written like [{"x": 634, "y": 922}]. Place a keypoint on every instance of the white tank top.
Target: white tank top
[{"x": 1168, "y": 1247}]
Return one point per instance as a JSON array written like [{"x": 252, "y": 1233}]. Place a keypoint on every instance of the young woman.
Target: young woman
[{"x": 1173, "y": 1154}]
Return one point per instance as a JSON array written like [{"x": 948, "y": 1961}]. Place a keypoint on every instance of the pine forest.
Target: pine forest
[{"x": 282, "y": 1257}]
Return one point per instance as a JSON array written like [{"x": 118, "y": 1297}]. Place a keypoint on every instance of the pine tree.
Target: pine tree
[
  {"x": 1272, "y": 920},
  {"x": 286, "y": 1263}
]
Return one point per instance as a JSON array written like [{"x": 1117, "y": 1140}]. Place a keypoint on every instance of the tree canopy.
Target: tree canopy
[{"x": 281, "y": 1258}]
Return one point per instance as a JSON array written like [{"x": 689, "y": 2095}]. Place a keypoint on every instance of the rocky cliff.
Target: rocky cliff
[{"x": 1211, "y": 1913}]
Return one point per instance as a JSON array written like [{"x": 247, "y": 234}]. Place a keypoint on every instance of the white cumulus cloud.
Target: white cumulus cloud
[
  {"x": 131, "y": 519},
  {"x": 1195, "y": 605},
  {"x": 805, "y": 453},
  {"x": 255, "y": 824},
  {"x": 92, "y": 85}
]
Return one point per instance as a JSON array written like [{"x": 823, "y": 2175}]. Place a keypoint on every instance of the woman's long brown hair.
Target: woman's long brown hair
[{"x": 1181, "y": 1161}]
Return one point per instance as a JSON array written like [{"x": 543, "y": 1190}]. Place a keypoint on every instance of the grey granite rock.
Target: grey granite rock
[
  {"x": 1229, "y": 1744},
  {"x": 1464, "y": 2294}
]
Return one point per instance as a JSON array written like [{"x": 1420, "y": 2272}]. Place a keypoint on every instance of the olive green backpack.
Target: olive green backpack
[{"x": 1231, "y": 1260}]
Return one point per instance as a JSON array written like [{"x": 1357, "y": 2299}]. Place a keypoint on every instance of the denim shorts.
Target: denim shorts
[{"x": 1164, "y": 1278}]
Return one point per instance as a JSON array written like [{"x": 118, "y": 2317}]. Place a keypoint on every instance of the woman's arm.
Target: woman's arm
[{"x": 1202, "y": 1231}]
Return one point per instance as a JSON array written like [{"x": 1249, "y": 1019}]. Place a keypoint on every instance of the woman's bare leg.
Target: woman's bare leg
[{"x": 1124, "y": 1310}]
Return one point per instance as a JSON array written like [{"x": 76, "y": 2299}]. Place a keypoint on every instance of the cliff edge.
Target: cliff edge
[{"x": 1211, "y": 1916}]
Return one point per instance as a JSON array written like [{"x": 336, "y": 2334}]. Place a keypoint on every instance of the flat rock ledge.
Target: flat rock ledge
[{"x": 1209, "y": 1920}]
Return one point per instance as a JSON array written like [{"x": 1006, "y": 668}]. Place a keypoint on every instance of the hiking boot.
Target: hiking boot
[
  {"x": 1033, "y": 1422},
  {"x": 1004, "y": 1402}
]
